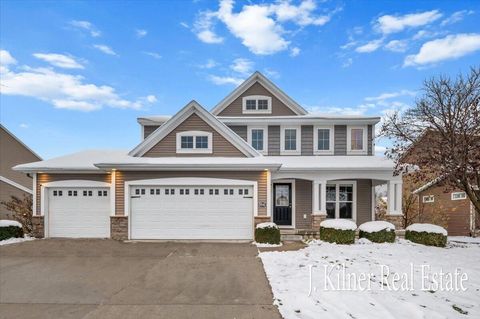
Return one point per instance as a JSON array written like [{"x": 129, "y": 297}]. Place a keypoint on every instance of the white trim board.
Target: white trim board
[
  {"x": 193, "y": 108},
  {"x": 265, "y": 82},
  {"x": 16, "y": 185}
]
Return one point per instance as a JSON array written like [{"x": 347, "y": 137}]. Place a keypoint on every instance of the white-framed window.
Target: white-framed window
[
  {"x": 290, "y": 140},
  {"x": 428, "y": 199},
  {"x": 257, "y": 104},
  {"x": 341, "y": 200},
  {"x": 194, "y": 142},
  {"x": 323, "y": 140},
  {"x": 357, "y": 140},
  {"x": 258, "y": 138},
  {"x": 459, "y": 195}
]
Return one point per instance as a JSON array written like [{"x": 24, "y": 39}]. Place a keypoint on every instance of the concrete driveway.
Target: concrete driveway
[{"x": 109, "y": 279}]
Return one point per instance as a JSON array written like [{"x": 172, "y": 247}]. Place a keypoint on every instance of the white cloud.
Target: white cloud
[
  {"x": 353, "y": 111},
  {"x": 370, "y": 46},
  {"x": 222, "y": 80},
  {"x": 242, "y": 66},
  {"x": 389, "y": 95},
  {"x": 153, "y": 54},
  {"x": 447, "y": 48},
  {"x": 348, "y": 62},
  {"x": 211, "y": 63},
  {"x": 295, "y": 51},
  {"x": 397, "y": 45},
  {"x": 105, "y": 49},
  {"x": 24, "y": 125},
  {"x": 456, "y": 17},
  {"x": 391, "y": 24},
  {"x": 184, "y": 24},
  {"x": 64, "y": 91},
  {"x": 259, "y": 26},
  {"x": 6, "y": 58},
  {"x": 86, "y": 25},
  {"x": 59, "y": 60},
  {"x": 140, "y": 33},
  {"x": 271, "y": 73},
  {"x": 151, "y": 98}
]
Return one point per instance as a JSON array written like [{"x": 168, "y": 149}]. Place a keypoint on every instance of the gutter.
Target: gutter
[{"x": 187, "y": 167}]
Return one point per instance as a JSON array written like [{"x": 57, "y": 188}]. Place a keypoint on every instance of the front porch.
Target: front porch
[{"x": 299, "y": 201}]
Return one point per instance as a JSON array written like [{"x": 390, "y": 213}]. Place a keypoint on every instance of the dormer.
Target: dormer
[{"x": 257, "y": 96}]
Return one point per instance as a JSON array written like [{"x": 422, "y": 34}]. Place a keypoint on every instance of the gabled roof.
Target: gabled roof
[
  {"x": 269, "y": 85},
  {"x": 193, "y": 108},
  {"x": 19, "y": 141}
]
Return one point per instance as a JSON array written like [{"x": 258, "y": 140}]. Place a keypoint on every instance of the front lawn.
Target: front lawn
[{"x": 325, "y": 280}]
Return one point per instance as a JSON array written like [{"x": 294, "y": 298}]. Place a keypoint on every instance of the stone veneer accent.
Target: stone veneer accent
[
  {"x": 38, "y": 230},
  {"x": 396, "y": 220},
  {"x": 119, "y": 227},
  {"x": 316, "y": 220}
]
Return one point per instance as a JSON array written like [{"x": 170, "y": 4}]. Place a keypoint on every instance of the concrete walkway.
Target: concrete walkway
[{"x": 110, "y": 279}]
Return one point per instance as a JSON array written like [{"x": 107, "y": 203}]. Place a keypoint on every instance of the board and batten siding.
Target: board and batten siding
[
  {"x": 303, "y": 204},
  {"x": 274, "y": 140},
  {"x": 364, "y": 200},
  {"x": 306, "y": 140},
  {"x": 259, "y": 176},
  {"x": 235, "y": 108},
  {"x": 240, "y": 130},
  {"x": 149, "y": 129},
  {"x": 43, "y": 178},
  {"x": 167, "y": 147}
]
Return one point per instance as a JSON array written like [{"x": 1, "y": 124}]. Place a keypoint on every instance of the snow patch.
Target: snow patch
[
  {"x": 363, "y": 241},
  {"x": 265, "y": 245},
  {"x": 376, "y": 226},
  {"x": 15, "y": 240},
  {"x": 8, "y": 223},
  {"x": 464, "y": 239},
  {"x": 429, "y": 228},
  {"x": 267, "y": 225},
  {"x": 341, "y": 224}
]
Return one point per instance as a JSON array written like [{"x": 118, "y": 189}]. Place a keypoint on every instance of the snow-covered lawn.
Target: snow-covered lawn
[
  {"x": 306, "y": 282},
  {"x": 15, "y": 240}
]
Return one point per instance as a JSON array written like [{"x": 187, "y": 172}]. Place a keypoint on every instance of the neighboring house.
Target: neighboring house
[
  {"x": 13, "y": 183},
  {"x": 436, "y": 202},
  {"x": 257, "y": 156}
]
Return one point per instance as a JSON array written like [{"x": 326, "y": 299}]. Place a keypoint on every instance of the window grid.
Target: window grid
[
  {"x": 187, "y": 142},
  {"x": 257, "y": 139},
  {"x": 323, "y": 139},
  {"x": 290, "y": 139},
  {"x": 357, "y": 139}
]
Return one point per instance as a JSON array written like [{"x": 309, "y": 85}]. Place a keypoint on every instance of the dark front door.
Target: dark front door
[{"x": 282, "y": 205}]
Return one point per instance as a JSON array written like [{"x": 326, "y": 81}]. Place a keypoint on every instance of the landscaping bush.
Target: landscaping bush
[
  {"x": 267, "y": 233},
  {"x": 338, "y": 231},
  {"x": 10, "y": 229},
  {"x": 427, "y": 234},
  {"x": 377, "y": 231}
]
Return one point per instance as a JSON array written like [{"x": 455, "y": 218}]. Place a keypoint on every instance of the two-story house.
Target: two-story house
[{"x": 256, "y": 156}]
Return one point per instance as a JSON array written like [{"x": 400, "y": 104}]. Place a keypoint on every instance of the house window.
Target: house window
[
  {"x": 459, "y": 195},
  {"x": 194, "y": 142},
  {"x": 290, "y": 141},
  {"x": 340, "y": 200},
  {"x": 428, "y": 199},
  {"x": 257, "y": 137},
  {"x": 357, "y": 140},
  {"x": 323, "y": 140},
  {"x": 257, "y": 104}
]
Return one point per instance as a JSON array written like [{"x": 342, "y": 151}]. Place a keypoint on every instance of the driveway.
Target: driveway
[{"x": 56, "y": 278}]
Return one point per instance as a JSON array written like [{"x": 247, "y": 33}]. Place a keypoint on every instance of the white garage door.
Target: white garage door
[
  {"x": 79, "y": 212},
  {"x": 195, "y": 212}
]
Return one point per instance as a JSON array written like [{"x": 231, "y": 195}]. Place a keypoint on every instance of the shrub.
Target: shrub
[
  {"x": 10, "y": 229},
  {"x": 267, "y": 233},
  {"x": 21, "y": 211},
  {"x": 427, "y": 234},
  {"x": 338, "y": 231},
  {"x": 378, "y": 231}
]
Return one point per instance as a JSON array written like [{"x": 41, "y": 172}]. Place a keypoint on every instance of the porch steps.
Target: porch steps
[{"x": 290, "y": 237}]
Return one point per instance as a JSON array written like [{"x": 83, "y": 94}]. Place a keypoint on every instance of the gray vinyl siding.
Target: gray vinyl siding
[
  {"x": 240, "y": 130},
  {"x": 303, "y": 204},
  {"x": 307, "y": 140},
  {"x": 149, "y": 129},
  {"x": 340, "y": 140},
  {"x": 370, "y": 140},
  {"x": 274, "y": 140},
  {"x": 364, "y": 200}
]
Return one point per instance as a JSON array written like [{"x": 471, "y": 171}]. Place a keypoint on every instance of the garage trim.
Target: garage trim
[
  {"x": 66, "y": 184},
  {"x": 187, "y": 181}
]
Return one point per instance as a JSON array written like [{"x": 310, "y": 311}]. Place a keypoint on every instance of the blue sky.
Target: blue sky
[{"x": 76, "y": 74}]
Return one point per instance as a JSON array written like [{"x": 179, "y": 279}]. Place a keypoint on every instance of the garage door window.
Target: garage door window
[
  {"x": 72, "y": 193},
  {"x": 88, "y": 193},
  {"x": 57, "y": 193}
]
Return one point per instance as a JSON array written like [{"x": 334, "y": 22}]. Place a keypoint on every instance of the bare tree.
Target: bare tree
[
  {"x": 445, "y": 121},
  {"x": 21, "y": 209}
]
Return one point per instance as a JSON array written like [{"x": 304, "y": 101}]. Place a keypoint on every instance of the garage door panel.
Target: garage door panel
[
  {"x": 166, "y": 216},
  {"x": 73, "y": 213}
]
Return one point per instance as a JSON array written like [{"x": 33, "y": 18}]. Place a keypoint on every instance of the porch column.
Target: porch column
[
  {"x": 319, "y": 197},
  {"x": 394, "y": 193}
]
